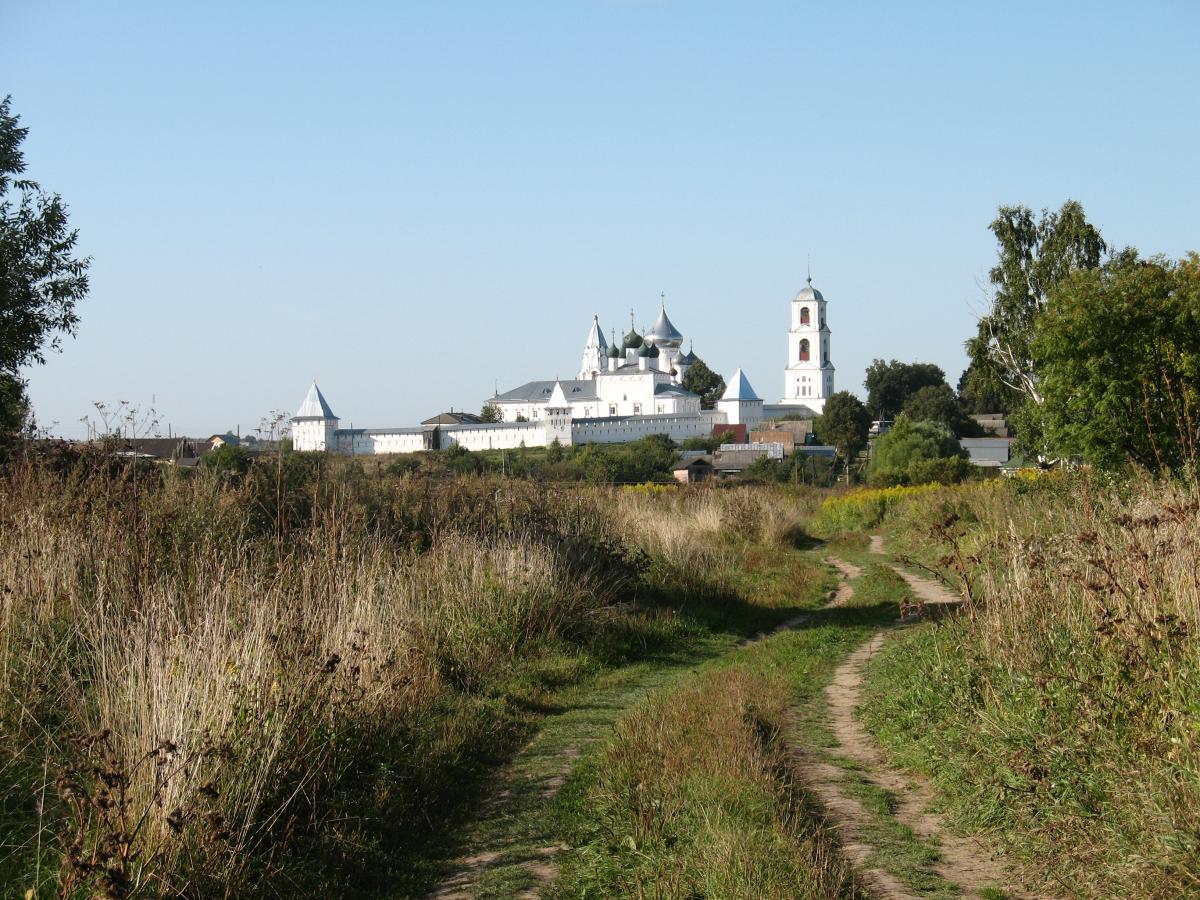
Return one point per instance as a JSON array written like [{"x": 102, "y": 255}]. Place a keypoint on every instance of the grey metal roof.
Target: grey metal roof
[
  {"x": 664, "y": 333},
  {"x": 405, "y": 429},
  {"x": 535, "y": 391},
  {"x": 672, "y": 390},
  {"x": 808, "y": 292},
  {"x": 314, "y": 405},
  {"x": 739, "y": 388}
]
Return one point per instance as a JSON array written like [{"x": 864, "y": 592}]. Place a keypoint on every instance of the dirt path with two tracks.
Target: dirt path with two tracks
[{"x": 962, "y": 862}]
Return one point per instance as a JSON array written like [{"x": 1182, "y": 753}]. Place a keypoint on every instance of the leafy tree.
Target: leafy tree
[
  {"x": 708, "y": 443},
  {"x": 490, "y": 413},
  {"x": 700, "y": 379},
  {"x": 899, "y": 454},
  {"x": 889, "y": 384},
  {"x": 844, "y": 424},
  {"x": 40, "y": 279},
  {"x": 1034, "y": 255},
  {"x": 461, "y": 460},
  {"x": 938, "y": 404},
  {"x": 228, "y": 458},
  {"x": 1120, "y": 363},
  {"x": 977, "y": 393}
]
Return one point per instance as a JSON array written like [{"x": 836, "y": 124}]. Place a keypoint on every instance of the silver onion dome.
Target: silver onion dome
[{"x": 664, "y": 334}]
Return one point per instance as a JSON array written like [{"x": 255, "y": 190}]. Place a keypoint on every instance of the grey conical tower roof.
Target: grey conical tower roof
[
  {"x": 314, "y": 405},
  {"x": 739, "y": 388}
]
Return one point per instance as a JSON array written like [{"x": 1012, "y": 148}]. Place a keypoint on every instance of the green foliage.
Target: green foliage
[
  {"x": 798, "y": 468},
  {"x": 1059, "y": 713},
  {"x": 890, "y": 384},
  {"x": 490, "y": 413},
  {"x": 700, "y": 379},
  {"x": 862, "y": 509},
  {"x": 978, "y": 394},
  {"x": 1120, "y": 358},
  {"x": 40, "y": 279},
  {"x": 907, "y": 451},
  {"x": 938, "y": 404},
  {"x": 228, "y": 458},
  {"x": 462, "y": 461},
  {"x": 708, "y": 443},
  {"x": 844, "y": 424},
  {"x": 1033, "y": 257},
  {"x": 405, "y": 464}
]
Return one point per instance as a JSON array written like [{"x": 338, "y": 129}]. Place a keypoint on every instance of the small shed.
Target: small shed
[{"x": 692, "y": 470}]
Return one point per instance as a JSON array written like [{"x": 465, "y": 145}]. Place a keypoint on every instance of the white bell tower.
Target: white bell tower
[{"x": 808, "y": 378}]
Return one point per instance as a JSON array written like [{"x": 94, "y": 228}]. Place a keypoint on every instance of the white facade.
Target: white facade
[
  {"x": 626, "y": 390},
  {"x": 808, "y": 378},
  {"x": 739, "y": 404}
]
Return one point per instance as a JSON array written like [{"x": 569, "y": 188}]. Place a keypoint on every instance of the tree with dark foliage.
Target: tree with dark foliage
[
  {"x": 700, "y": 379},
  {"x": 890, "y": 384},
  {"x": 40, "y": 278}
]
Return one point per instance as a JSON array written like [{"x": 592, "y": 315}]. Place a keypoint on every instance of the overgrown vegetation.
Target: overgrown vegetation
[
  {"x": 1058, "y": 713},
  {"x": 293, "y": 678}
]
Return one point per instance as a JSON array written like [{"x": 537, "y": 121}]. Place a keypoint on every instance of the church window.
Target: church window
[
  {"x": 804, "y": 354},
  {"x": 612, "y": 409},
  {"x": 804, "y": 315},
  {"x": 637, "y": 409}
]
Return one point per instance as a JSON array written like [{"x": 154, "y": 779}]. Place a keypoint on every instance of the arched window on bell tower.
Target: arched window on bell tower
[
  {"x": 804, "y": 354},
  {"x": 804, "y": 319}
]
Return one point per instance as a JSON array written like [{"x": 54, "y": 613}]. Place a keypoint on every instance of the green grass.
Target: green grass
[
  {"x": 511, "y": 815},
  {"x": 721, "y": 829}
]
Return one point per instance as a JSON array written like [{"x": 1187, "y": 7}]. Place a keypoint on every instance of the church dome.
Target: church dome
[
  {"x": 645, "y": 350},
  {"x": 633, "y": 340},
  {"x": 614, "y": 352},
  {"x": 808, "y": 292},
  {"x": 664, "y": 333}
]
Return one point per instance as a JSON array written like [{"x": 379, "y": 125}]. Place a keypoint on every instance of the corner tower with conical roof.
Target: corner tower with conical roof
[
  {"x": 314, "y": 425},
  {"x": 808, "y": 378},
  {"x": 739, "y": 402}
]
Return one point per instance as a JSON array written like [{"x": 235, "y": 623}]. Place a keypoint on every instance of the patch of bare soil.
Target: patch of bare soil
[
  {"x": 961, "y": 861},
  {"x": 841, "y": 595}
]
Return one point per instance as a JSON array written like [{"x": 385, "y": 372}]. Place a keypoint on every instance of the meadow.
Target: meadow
[
  {"x": 298, "y": 678},
  {"x": 1058, "y": 715}
]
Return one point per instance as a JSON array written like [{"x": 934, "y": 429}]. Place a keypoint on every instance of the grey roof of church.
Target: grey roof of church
[
  {"x": 534, "y": 391},
  {"x": 808, "y": 292},
  {"x": 314, "y": 405},
  {"x": 663, "y": 331},
  {"x": 672, "y": 390}
]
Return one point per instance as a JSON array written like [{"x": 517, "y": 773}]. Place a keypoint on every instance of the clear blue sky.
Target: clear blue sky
[{"x": 414, "y": 203}]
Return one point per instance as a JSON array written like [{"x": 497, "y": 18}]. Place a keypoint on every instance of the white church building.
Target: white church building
[{"x": 625, "y": 390}]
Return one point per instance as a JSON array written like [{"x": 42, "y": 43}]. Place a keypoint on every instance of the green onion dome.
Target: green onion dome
[
  {"x": 614, "y": 352},
  {"x": 633, "y": 340}
]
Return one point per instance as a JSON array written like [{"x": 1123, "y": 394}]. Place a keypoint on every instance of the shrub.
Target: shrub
[{"x": 906, "y": 444}]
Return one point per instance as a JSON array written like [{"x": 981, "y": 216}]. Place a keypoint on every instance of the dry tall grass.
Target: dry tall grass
[
  {"x": 180, "y": 688},
  {"x": 208, "y": 683},
  {"x": 1062, "y": 710}
]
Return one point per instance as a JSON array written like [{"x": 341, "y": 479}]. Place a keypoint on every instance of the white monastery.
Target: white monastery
[{"x": 625, "y": 390}]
